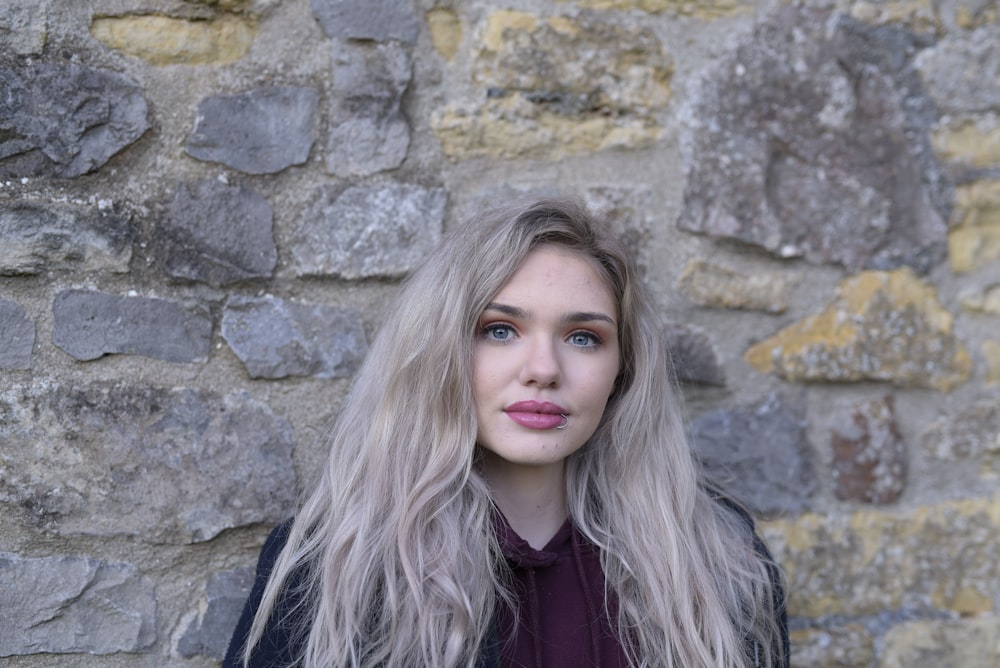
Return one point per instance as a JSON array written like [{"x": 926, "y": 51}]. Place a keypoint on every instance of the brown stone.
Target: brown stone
[
  {"x": 165, "y": 40},
  {"x": 974, "y": 238},
  {"x": 834, "y": 647},
  {"x": 881, "y": 326},
  {"x": 991, "y": 353},
  {"x": 869, "y": 455},
  {"x": 967, "y": 643},
  {"x": 716, "y": 286}
]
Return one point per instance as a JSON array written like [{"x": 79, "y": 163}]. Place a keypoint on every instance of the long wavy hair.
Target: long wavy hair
[{"x": 395, "y": 551}]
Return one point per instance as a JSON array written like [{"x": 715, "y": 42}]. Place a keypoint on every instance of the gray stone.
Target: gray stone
[
  {"x": 693, "y": 357},
  {"x": 65, "y": 120},
  {"x": 973, "y": 434},
  {"x": 89, "y": 324},
  {"x": 23, "y": 27},
  {"x": 869, "y": 454},
  {"x": 175, "y": 466},
  {"x": 36, "y": 237},
  {"x": 275, "y": 338},
  {"x": 759, "y": 454},
  {"x": 74, "y": 604},
  {"x": 218, "y": 234},
  {"x": 626, "y": 211},
  {"x": 367, "y": 131},
  {"x": 962, "y": 72},
  {"x": 368, "y": 231},
  {"x": 209, "y": 632},
  {"x": 812, "y": 140},
  {"x": 378, "y": 20},
  {"x": 17, "y": 336},
  {"x": 262, "y": 131}
]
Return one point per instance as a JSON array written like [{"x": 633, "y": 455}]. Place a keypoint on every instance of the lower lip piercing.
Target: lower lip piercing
[{"x": 564, "y": 422}]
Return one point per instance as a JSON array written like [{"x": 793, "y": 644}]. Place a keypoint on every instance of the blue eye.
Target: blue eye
[
  {"x": 584, "y": 339},
  {"x": 498, "y": 332}
]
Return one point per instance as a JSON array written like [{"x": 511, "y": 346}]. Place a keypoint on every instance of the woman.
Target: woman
[{"x": 509, "y": 482}]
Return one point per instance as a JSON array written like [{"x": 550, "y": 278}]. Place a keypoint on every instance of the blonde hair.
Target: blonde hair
[{"x": 395, "y": 550}]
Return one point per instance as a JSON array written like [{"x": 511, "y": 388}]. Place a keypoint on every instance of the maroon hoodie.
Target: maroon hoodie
[{"x": 561, "y": 618}]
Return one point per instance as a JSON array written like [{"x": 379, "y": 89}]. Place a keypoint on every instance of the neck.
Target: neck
[{"x": 532, "y": 498}]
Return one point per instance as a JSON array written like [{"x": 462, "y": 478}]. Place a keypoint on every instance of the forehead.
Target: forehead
[{"x": 558, "y": 275}]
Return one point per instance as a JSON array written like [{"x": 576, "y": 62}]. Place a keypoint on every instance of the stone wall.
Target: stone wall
[{"x": 204, "y": 205}]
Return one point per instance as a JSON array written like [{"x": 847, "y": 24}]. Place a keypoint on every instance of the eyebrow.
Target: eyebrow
[{"x": 576, "y": 316}]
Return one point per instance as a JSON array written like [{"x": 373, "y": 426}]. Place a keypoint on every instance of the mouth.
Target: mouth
[{"x": 540, "y": 415}]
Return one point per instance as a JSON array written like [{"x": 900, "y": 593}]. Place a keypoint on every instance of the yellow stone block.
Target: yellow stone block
[
  {"x": 164, "y": 40},
  {"x": 919, "y": 15},
  {"x": 987, "y": 301},
  {"x": 969, "y": 143},
  {"x": 699, "y": 9},
  {"x": 446, "y": 31},
  {"x": 974, "y": 238},
  {"x": 500, "y": 22},
  {"x": 882, "y": 326},
  {"x": 991, "y": 352}
]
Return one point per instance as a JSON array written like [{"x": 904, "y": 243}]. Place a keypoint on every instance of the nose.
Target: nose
[{"x": 541, "y": 366}]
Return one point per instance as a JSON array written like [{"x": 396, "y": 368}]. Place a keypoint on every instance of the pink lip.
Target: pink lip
[{"x": 536, "y": 414}]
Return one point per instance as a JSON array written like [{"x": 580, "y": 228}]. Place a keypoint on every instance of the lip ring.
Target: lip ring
[{"x": 564, "y": 422}]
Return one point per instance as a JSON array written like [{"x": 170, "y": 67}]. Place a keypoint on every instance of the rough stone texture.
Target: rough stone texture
[
  {"x": 693, "y": 357},
  {"x": 837, "y": 647},
  {"x": 985, "y": 301},
  {"x": 262, "y": 131},
  {"x": 882, "y": 326},
  {"x": 962, "y": 72},
  {"x": 703, "y": 9},
  {"x": 90, "y": 324},
  {"x": 939, "y": 557},
  {"x": 558, "y": 86},
  {"x": 63, "y": 604},
  {"x": 208, "y": 633},
  {"x": 869, "y": 454},
  {"x": 218, "y": 234},
  {"x": 368, "y": 231},
  {"x": 972, "y": 143},
  {"x": 164, "y": 40},
  {"x": 37, "y": 237},
  {"x": 714, "y": 285},
  {"x": 759, "y": 454},
  {"x": 367, "y": 130},
  {"x": 800, "y": 143},
  {"x": 379, "y": 20},
  {"x": 275, "y": 338},
  {"x": 974, "y": 239},
  {"x": 174, "y": 466},
  {"x": 446, "y": 31},
  {"x": 17, "y": 336},
  {"x": 918, "y": 15},
  {"x": 627, "y": 212},
  {"x": 973, "y": 14},
  {"x": 23, "y": 27},
  {"x": 967, "y": 643},
  {"x": 991, "y": 353},
  {"x": 59, "y": 119},
  {"x": 973, "y": 435}
]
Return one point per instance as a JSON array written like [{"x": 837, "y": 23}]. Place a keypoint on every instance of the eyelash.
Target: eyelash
[{"x": 594, "y": 340}]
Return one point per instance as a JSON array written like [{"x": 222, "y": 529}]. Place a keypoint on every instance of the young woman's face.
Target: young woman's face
[{"x": 546, "y": 347}]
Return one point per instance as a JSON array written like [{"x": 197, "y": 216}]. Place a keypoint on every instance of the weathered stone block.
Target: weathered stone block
[
  {"x": 919, "y": 15},
  {"x": 175, "y": 466},
  {"x": 991, "y": 353},
  {"x": 974, "y": 239},
  {"x": 693, "y": 357},
  {"x": 627, "y": 212},
  {"x": 967, "y": 643},
  {"x": 955, "y": 84},
  {"x": 208, "y": 633},
  {"x": 938, "y": 557},
  {"x": 716, "y": 286},
  {"x": 811, "y": 139},
  {"x": 976, "y": 144},
  {"x": 882, "y": 326},
  {"x": 759, "y": 454},
  {"x": 37, "y": 237},
  {"x": 368, "y": 231},
  {"x": 23, "y": 28},
  {"x": 262, "y": 131},
  {"x": 165, "y": 40},
  {"x": 973, "y": 434},
  {"x": 89, "y": 324},
  {"x": 367, "y": 130},
  {"x": 558, "y": 86},
  {"x": 74, "y": 604},
  {"x": 836, "y": 647},
  {"x": 275, "y": 338},
  {"x": 702, "y": 9},
  {"x": 218, "y": 234},
  {"x": 869, "y": 454},
  {"x": 17, "y": 336},
  {"x": 446, "y": 31},
  {"x": 64, "y": 120},
  {"x": 986, "y": 300},
  {"x": 379, "y": 20}
]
